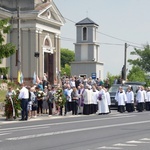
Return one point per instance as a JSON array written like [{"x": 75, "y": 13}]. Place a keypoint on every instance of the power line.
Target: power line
[
  {"x": 112, "y": 44},
  {"x": 135, "y": 46},
  {"x": 110, "y": 36},
  {"x": 118, "y": 38},
  {"x": 100, "y": 32}
]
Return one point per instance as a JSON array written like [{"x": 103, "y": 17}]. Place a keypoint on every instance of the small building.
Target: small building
[
  {"x": 87, "y": 53},
  {"x": 40, "y": 25}
]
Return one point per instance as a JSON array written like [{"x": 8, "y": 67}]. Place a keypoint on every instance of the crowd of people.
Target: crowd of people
[{"x": 82, "y": 96}]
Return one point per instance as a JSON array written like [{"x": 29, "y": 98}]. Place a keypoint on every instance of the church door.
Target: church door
[{"x": 48, "y": 66}]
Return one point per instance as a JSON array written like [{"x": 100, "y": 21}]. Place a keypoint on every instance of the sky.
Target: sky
[{"x": 120, "y": 22}]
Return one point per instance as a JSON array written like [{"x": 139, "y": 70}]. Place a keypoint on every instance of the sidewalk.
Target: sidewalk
[
  {"x": 46, "y": 117},
  {"x": 41, "y": 117}
]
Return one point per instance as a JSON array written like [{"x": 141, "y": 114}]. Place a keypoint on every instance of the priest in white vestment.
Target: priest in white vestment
[{"x": 102, "y": 102}]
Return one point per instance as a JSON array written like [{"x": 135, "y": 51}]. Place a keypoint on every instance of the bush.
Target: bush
[{"x": 10, "y": 105}]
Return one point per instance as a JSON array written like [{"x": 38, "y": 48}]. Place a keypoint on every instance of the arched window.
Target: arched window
[{"x": 84, "y": 33}]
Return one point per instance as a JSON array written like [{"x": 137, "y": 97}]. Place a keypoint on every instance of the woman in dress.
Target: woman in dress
[
  {"x": 45, "y": 104},
  {"x": 39, "y": 97},
  {"x": 34, "y": 103}
]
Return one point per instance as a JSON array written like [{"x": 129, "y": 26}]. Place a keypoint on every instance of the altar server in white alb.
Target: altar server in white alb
[
  {"x": 130, "y": 99},
  {"x": 102, "y": 102},
  {"x": 87, "y": 96},
  {"x": 147, "y": 103},
  {"x": 144, "y": 93},
  {"x": 121, "y": 99},
  {"x": 108, "y": 99},
  {"x": 140, "y": 99},
  {"x": 94, "y": 100}
]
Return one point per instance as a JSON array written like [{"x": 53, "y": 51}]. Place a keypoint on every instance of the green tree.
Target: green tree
[
  {"x": 66, "y": 70},
  {"x": 67, "y": 56},
  {"x": 112, "y": 78},
  {"x": 136, "y": 74},
  {"x": 6, "y": 50},
  {"x": 143, "y": 60}
]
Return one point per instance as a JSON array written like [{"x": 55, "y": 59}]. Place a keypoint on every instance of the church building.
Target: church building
[
  {"x": 87, "y": 54},
  {"x": 40, "y": 29}
]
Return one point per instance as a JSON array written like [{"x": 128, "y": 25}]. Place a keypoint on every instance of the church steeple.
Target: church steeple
[
  {"x": 88, "y": 30},
  {"x": 87, "y": 54},
  {"x": 86, "y": 21}
]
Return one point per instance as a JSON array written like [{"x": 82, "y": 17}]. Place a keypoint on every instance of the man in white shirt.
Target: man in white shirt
[
  {"x": 68, "y": 94},
  {"x": 72, "y": 82},
  {"x": 24, "y": 96}
]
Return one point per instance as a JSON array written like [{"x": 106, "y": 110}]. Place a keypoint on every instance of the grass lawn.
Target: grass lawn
[{"x": 2, "y": 95}]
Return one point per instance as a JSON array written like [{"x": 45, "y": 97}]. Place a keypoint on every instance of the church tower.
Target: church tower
[{"x": 87, "y": 54}]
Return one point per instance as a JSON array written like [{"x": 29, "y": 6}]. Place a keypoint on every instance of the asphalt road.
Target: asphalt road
[{"x": 128, "y": 131}]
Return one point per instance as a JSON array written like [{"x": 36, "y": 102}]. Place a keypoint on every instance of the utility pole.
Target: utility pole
[
  {"x": 125, "y": 61},
  {"x": 19, "y": 37}
]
